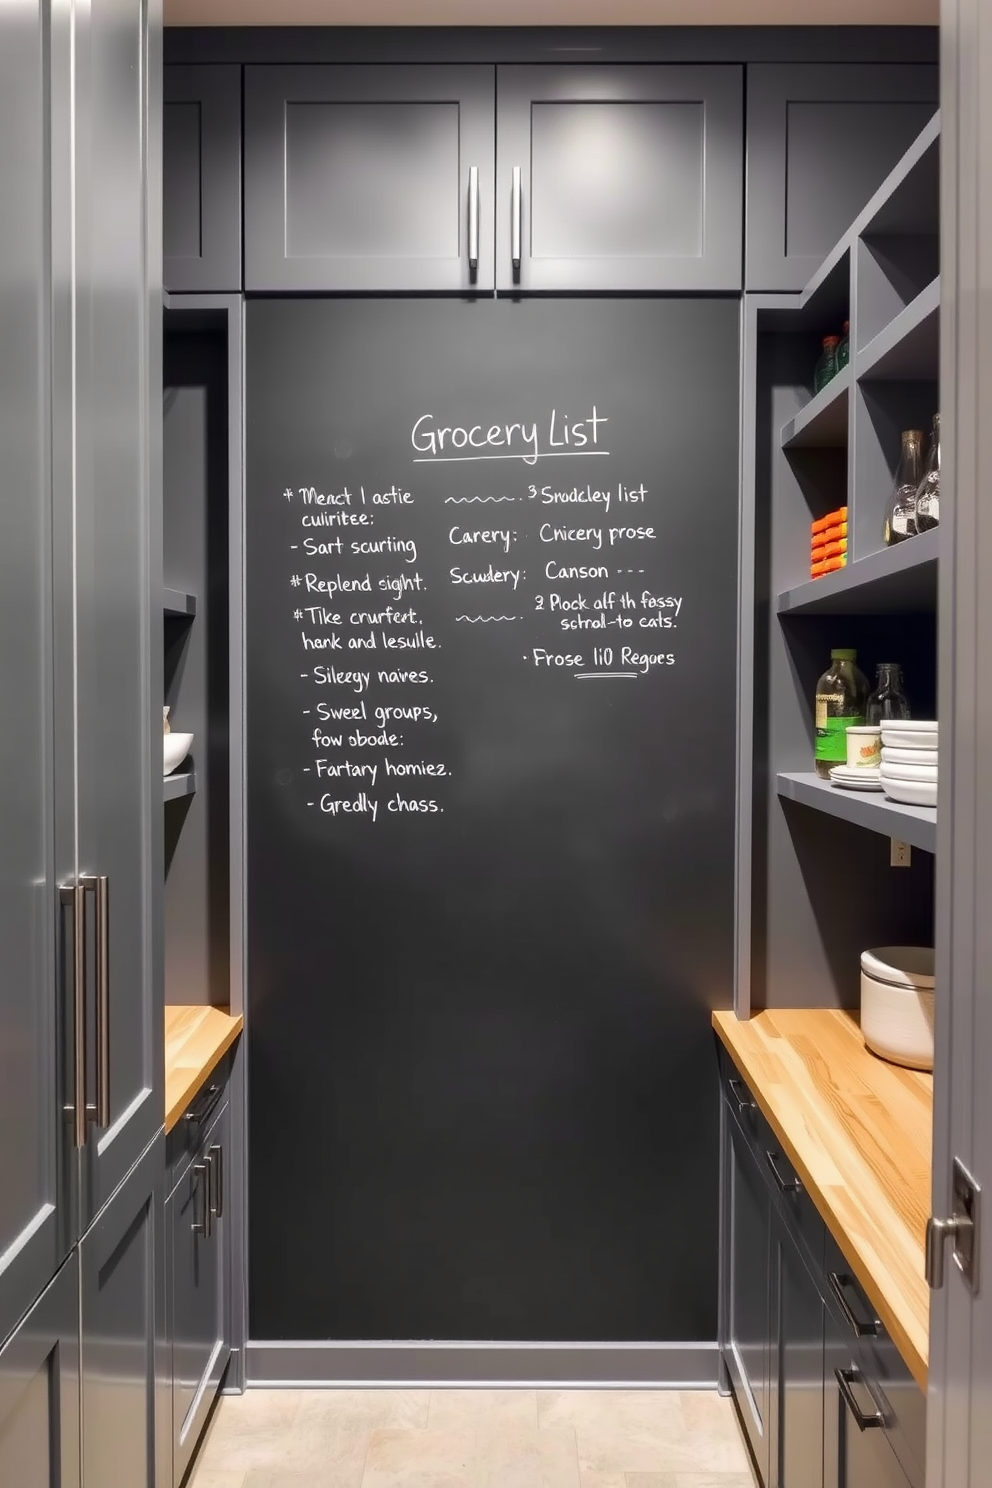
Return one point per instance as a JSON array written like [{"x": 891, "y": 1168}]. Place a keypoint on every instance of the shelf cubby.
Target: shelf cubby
[
  {"x": 177, "y": 605},
  {"x": 892, "y": 581},
  {"x": 908, "y": 349},
  {"x": 182, "y": 783},
  {"x": 823, "y": 423},
  {"x": 872, "y": 810}
]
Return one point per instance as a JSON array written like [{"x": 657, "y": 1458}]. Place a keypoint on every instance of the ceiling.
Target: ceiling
[{"x": 552, "y": 12}]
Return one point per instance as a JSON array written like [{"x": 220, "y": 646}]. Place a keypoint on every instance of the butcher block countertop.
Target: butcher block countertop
[
  {"x": 858, "y": 1131},
  {"x": 196, "y": 1040}
]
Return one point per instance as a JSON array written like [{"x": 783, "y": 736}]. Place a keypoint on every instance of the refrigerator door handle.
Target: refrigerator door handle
[
  {"x": 515, "y": 227},
  {"x": 473, "y": 219},
  {"x": 73, "y": 896},
  {"x": 99, "y": 885}
]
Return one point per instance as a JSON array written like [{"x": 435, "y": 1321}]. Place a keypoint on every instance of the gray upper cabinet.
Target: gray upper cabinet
[
  {"x": 34, "y": 1223},
  {"x": 369, "y": 178},
  {"x": 619, "y": 178},
  {"x": 117, "y": 790},
  {"x": 201, "y": 178},
  {"x": 820, "y": 141}
]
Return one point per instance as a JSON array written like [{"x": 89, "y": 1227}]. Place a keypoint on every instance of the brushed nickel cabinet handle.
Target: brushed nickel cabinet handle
[
  {"x": 201, "y": 1185},
  {"x": 473, "y": 218},
  {"x": 215, "y": 1157},
  {"x": 745, "y": 1100},
  {"x": 859, "y": 1327},
  {"x": 73, "y": 896},
  {"x": 100, "y": 887},
  {"x": 845, "y": 1379},
  {"x": 515, "y": 224},
  {"x": 784, "y": 1184}
]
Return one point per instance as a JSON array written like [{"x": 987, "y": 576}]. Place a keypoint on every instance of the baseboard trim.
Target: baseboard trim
[{"x": 684, "y": 1366}]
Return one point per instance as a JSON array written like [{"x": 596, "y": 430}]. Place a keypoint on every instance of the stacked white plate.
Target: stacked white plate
[{"x": 908, "y": 771}]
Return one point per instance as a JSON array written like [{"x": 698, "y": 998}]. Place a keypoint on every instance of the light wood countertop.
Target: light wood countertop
[
  {"x": 859, "y": 1133},
  {"x": 196, "y": 1040}
]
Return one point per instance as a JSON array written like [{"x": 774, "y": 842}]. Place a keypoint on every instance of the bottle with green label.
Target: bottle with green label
[{"x": 841, "y": 702}]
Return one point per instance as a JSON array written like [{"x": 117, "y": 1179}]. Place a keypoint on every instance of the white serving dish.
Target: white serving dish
[
  {"x": 923, "y": 773},
  {"x": 909, "y": 733},
  {"x": 893, "y": 756},
  {"x": 910, "y": 792},
  {"x": 897, "y": 1004},
  {"x": 175, "y": 749},
  {"x": 848, "y": 779}
]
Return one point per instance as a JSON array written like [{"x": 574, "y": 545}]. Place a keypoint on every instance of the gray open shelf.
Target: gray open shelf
[
  {"x": 916, "y": 825},
  {"x": 178, "y": 605},
  {"x": 822, "y": 424},
  {"x": 908, "y": 349},
  {"x": 895, "y": 581},
  {"x": 182, "y": 783}
]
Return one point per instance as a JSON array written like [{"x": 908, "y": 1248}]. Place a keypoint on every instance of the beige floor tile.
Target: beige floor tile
[
  {"x": 205, "y": 1477},
  {"x": 451, "y": 1410},
  {"x": 251, "y": 1430},
  {"x": 528, "y": 1459},
  {"x": 317, "y": 1475},
  {"x": 401, "y": 1409},
  {"x": 602, "y": 1480},
  {"x": 420, "y": 1459},
  {"x": 644, "y": 1431},
  {"x": 690, "y": 1480}
]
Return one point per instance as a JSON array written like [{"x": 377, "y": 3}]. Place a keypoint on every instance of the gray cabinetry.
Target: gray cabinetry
[
  {"x": 201, "y": 178},
  {"x": 823, "y": 1394},
  {"x": 619, "y": 178},
  {"x": 123, "y": 1359},
  {"x": 34, "y": 1218},
  {"x": 369, "y": 178},
  {"x": 116, "y": 607},
  {"x": 39, "y": 1391},
  {"x": 820, "y": 141},
  {"x": 198, "y": 1277}
]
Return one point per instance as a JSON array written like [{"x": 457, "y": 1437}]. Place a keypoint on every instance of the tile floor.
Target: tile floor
[{"x": 473, "y": 1439}]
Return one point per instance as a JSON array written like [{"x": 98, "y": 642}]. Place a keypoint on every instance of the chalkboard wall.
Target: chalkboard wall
[{"x": 491, "y": 612}]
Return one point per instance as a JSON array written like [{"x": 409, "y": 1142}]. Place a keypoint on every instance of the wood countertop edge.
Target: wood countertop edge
[
  {"x": 901, "y": 1325},
  {"x": 197, "y": 1056}
]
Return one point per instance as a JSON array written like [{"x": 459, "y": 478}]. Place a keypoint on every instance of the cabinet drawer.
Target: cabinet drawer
[
  {"x": 859, "y": 1333},
  {"x": 187, "y": 1135}
]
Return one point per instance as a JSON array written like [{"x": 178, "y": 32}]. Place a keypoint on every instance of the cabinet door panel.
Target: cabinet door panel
[
  {"x": 34, "y": 1224},
  {"x": 198, "y": 1289},
  {"x": 117, "y": 789},
  {"x": 39, "y": 1391},
  {"x": 630, "y": 177},
  {"x": 800, "y": 1372},
  {"x": 855, "y": 1458},
  {"x": 750, "y": 1317},
  {"x": 124, "y": 1386},
  {"x": 201, "y": 178},
  {"x": 357, "y": 178},
  {"x": 820, "y": 141}
]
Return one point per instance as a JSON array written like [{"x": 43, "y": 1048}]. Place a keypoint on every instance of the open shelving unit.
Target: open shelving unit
[
  {"x": 177, "y": 605},
  {"x": 817, "y": 858},
  {"x": 181, "y": 783}
]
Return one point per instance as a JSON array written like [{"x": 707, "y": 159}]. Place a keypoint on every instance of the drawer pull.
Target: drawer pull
[
  {"x": 473, "y": 218},
  {"x": 515, "y": 224},
  {"x": 215, "y": 1159},
  {"x": 845, "y": 1379},
  {"x": 784, "y": 1184},
  {"x": 745, "y": 1100},
  {"x": 860, "y": 1327},
  {"x": 198, "y": 1114}
]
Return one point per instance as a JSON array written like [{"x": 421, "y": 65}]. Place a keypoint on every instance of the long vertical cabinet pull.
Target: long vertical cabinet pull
[
  {"x": 100, "y": 888},
  {"x": 473, "y": 219},
  {"x": 515, "y": 225},
  {"x": 215, "y": 1158},
  {"x": 73, "y": 896},
  {"x": 201, "y": 1186}
]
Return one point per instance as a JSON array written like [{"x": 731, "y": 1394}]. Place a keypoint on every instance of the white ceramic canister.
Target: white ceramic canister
[
  {"x": 897, "y": 1001},
  {"x": 864, "y": 747}
]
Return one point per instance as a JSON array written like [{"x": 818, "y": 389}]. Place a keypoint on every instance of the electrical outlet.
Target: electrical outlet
[{"x": 900, "y": 854}]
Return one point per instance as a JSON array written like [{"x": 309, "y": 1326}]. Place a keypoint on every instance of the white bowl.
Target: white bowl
[
  {"x": 890, "y": 771},
  {"x": 910, "y": 725},
  {"x": 901, "y": 966},
  {"x": 892, "y": 756},
  {"x": 176, "y": 747},
  {"x": 910, "y": 792},
  {"x": 897, "y": 1022},
  {"x": 909, "y": 733}
]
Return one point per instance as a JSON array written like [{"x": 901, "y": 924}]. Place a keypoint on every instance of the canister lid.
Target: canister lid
[{"x": 901, "y": 966}]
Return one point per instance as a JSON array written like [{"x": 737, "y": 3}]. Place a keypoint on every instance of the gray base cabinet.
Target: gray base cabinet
[
  {"x": 820, "y": 141},
  {"x": 39, "y": 1390},
  {"x": 619, "y": 178},
  {"x": 369, "y": 178},
  {"x": 823, "y": 1395},
  {"x": 198, "y": 1268}
]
